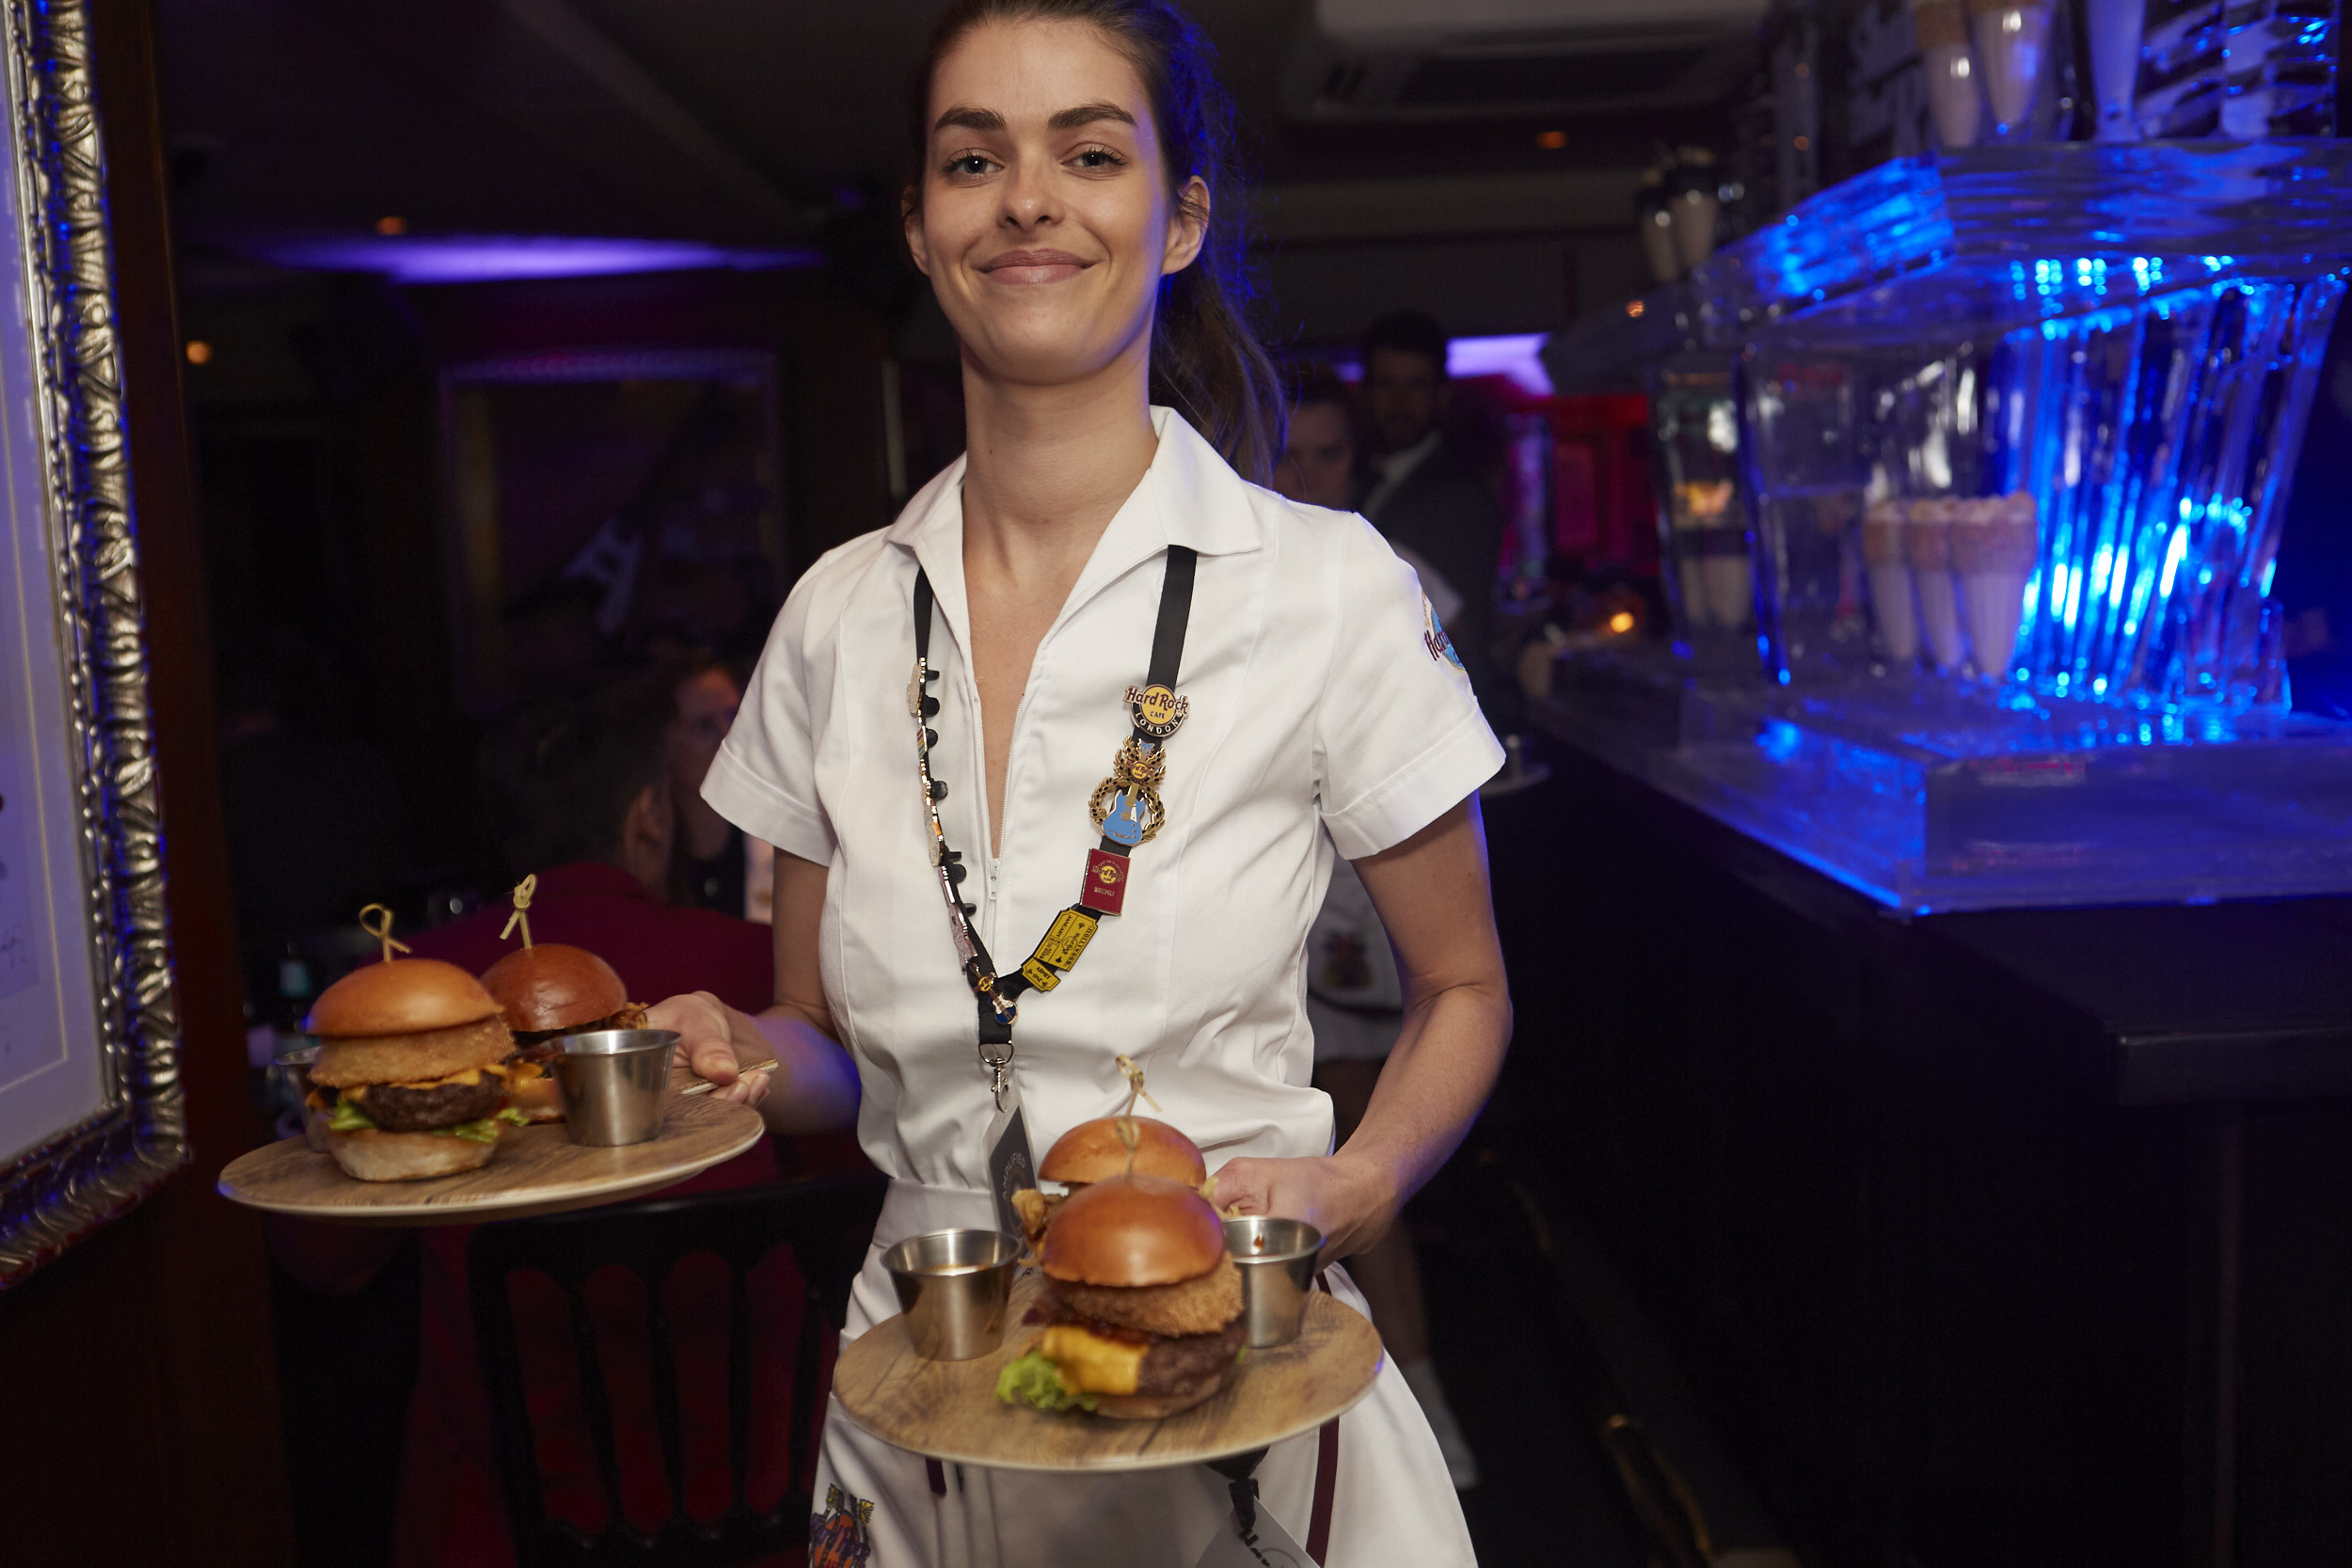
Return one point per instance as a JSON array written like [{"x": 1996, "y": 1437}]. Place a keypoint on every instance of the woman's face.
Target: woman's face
[
  {"x": 706, "y": 701},
  {"x": 1046, "y": 221},
  {"x": 1318, "y": 457}
]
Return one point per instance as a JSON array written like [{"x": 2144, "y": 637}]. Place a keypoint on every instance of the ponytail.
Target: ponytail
[{"x": 1206, "y": 362}]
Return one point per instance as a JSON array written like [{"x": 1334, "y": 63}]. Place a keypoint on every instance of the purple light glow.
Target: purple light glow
[
  {"x": 488, "y": 258},
  {"x": 1516, "y": 355}
]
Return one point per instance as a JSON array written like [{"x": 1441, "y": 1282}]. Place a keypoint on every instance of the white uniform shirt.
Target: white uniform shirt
[
  {"x": 1324, "y": 710},
  {"x": 1317, "y": 701}
]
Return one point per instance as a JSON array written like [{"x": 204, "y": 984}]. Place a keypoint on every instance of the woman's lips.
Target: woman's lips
[{"x": 1033, "y": 266}]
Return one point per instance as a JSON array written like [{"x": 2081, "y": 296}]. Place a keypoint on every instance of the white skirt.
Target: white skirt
[{"x": 1394, "y": 1506}]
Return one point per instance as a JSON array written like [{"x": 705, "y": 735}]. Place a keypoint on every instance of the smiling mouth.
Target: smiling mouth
[{"x": 1034, "y": 266}]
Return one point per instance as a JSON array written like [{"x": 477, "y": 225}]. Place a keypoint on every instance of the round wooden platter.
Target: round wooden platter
[
  {"x": 949, "y": 1409},
  {"x": 538, "y": 1170}
]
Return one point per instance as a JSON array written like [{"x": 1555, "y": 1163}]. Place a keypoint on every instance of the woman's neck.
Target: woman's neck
[{"x": 1047, "y": 467}]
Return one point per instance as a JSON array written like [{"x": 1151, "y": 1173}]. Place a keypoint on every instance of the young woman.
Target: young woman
[{"x": 1075, "y": 211}]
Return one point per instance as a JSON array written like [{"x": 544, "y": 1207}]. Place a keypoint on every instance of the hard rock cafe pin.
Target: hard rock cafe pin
[
  {"x": 1123, "y": 823},
  {"x": 1157, "y": 711}
]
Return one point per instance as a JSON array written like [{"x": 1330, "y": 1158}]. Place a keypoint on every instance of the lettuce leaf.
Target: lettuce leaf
[
  {"x": 348, "y": 1117},
  {"x": 1034, "y": 1380}
]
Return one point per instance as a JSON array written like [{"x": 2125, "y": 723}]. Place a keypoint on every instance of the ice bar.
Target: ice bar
[{"x": 2014, "y": 428}]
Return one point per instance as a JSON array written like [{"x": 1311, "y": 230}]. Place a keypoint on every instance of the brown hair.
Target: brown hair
[{"x": 1206, "y": 362}]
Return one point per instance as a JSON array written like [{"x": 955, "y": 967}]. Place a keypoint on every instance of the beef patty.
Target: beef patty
[
  {"x": 1173, "y": 1363},
  {"x": 396, "y": 1109},
  {"x": 1178, "y": 1365}
]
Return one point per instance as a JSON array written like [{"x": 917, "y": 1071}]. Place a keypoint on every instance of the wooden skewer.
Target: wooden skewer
[{"x": 703, "y": 1086}]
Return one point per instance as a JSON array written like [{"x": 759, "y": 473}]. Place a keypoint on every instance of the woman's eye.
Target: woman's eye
[
  {"x": 1098, "y": 158},
  {"x": 970, "y": 165}
]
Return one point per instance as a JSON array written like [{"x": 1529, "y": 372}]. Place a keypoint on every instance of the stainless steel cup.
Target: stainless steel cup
[
  {"x": 1276, "y": 1261},
  {"x": 614, "y": 1083},
  {"x": 294, "y": 1066},
  {"x": 953, "y": 1287}
]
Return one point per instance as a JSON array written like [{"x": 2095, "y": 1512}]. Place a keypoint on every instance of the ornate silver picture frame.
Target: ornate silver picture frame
[{"x": 90, "y": 1107}]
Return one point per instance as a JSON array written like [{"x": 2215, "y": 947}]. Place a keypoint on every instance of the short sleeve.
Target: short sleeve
[
  {"x": 764, "y": 779},
  {"x": 1401, "y": 738}
]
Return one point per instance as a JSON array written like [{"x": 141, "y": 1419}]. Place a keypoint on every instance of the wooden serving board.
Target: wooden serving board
[
  {"x": 537, "y": 1171},
  {"x": 949, "y": 1409}
]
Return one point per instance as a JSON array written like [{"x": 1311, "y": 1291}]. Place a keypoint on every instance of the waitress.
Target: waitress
[{"x": 976, "y": 910}]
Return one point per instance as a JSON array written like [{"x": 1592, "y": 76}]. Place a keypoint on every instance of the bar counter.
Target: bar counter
[{"x": 2008, "y": 1237}]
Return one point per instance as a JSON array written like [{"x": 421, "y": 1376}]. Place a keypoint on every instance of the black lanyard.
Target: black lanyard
[{"x": 1127, "y": 806}]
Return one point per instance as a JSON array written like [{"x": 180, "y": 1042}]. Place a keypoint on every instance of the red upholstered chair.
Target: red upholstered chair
[{"x": 656, "y": 1372}]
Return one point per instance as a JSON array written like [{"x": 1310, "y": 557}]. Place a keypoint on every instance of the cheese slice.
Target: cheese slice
[
  {"x": 1090, "y": 1364},
  {"x": 467, "y": 1079}
]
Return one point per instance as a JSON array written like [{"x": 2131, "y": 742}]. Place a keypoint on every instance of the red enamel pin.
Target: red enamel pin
[{"x": 1105, "y": 887}]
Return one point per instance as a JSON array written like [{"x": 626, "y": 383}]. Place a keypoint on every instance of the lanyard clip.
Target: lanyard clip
[{"x": 996, "y": 1056}]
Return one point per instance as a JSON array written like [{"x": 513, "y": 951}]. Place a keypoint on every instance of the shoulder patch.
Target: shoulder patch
[{"x": 1432, "y": 635}]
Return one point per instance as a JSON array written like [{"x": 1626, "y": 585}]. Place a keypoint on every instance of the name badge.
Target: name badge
[{"x": 1011, "y": 1167}]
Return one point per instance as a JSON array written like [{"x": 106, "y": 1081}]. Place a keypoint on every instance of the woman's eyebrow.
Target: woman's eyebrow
[
  {"x": 1086, "y": 113},
  {"x": 970, "y": 120}
]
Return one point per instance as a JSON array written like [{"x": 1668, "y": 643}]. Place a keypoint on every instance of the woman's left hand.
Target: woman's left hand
[
  {"x": 707, "y": 1045},
  {"x": 1352, "y": 1200}
]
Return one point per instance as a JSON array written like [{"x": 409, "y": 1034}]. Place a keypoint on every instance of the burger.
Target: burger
[
  {"x": 545, "y": 991},
  {"x": 1142, "y": 1306},
  {"x": 411, "y": 1072},
  {"x": 1093, "y": 1151}
]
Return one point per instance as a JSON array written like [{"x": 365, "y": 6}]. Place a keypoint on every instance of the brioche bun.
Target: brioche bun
[
  {"x": 1133, "y": 1230},
  {"x": 404, "y": 996},
  {"x": 1092, "y": 1151},
  {"x": 376, "y": 1156},
  {"x": 1156, "y": 1407},
  {"x": 553, "y": 986}
]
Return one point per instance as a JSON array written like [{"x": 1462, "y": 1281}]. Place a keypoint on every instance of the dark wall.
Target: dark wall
[
  {"x": 142, "y": 1422},
  {"x": 319, "y": 422}
]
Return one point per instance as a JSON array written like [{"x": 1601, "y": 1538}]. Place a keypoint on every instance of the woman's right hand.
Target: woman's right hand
[{"x": 707, "y": 1045}]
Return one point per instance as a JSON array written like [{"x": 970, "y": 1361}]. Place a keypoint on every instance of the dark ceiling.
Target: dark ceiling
[{"x": 747, "y": 122}]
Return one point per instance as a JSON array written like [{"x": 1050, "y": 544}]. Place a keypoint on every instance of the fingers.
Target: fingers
[
  {"x": 706, "y": 1045},
  {"x": 1238, "y": 1191}
]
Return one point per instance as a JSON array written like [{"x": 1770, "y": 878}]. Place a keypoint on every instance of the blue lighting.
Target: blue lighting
[{"x": 2175, "y": 553}]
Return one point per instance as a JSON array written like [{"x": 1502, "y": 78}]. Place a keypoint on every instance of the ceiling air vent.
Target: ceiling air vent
[{"x": 1460, "y": 59}]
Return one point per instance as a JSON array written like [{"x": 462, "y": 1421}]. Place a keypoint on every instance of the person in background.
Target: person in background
[
  {"x": 1420, "y": 493},
  {"x": 579, "y": 793},
  {"x": 1353, "y": 1001},
  {"x": 710, "y": 860}
]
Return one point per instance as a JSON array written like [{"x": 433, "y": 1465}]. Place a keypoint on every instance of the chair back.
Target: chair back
[{"x": 826, "y": 1223}]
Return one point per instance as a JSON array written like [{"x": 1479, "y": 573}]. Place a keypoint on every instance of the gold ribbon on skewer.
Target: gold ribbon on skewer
[
  {"x": 1135, "y": 1085},
  {"x": 382, "y": 929},
  {"x": 523, "y": 891}
]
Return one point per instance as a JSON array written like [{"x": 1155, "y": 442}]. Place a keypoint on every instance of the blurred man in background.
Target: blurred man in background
[{"x": 1422, "y": 495}]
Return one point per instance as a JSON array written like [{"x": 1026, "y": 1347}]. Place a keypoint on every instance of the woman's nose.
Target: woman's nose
[{"x": 1029, "y": 200}]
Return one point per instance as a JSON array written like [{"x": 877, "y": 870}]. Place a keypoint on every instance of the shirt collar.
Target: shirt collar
[{"x": 1189, "y": 496}]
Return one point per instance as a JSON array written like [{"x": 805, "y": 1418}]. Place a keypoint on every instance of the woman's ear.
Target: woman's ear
[
  {"x": 910, "y": 219},
  {"x": 1188, "y": 225}
]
